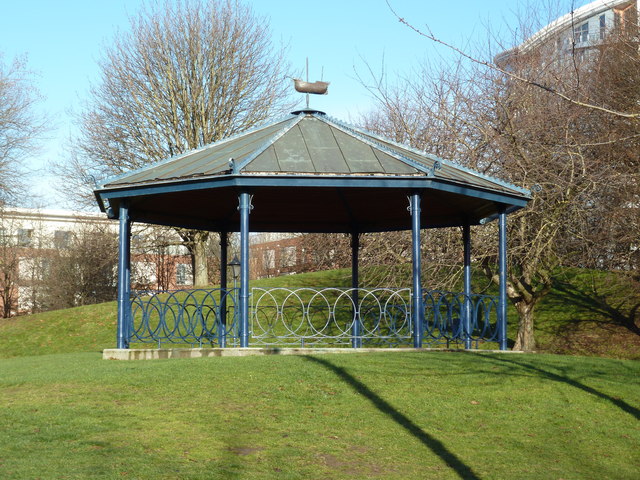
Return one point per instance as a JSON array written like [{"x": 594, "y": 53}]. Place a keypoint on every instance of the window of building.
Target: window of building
[
  {"x": 603, "y": 26},
  {"x": 25, "y": 237},
  {"x": 184, "y": 275},
  {"x": 269, "y": 259},
  {"x": 581, "y": 34},
  {"x": 61, "y": 239},
  {"x": 32, "y": 268},
  {"x": 288, "y": 256}
]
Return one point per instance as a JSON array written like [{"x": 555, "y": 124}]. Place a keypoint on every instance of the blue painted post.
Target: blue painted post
[
  {"x": 502, "y": 267},
  {"x": 417, "y": 304},
  {"x": 222, "y": 321},
  {"x": 127, "y": 283},
  {"x": 124, "y": 279},
  {"x": 356, "y": 329},
  {"x": 466, "y": 238},
  {"x": 245, "y": 207}
]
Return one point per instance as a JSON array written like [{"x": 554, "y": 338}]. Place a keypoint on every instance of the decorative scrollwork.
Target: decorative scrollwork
[
  {"x": 308, "y": 317},
  {"x": 455, "y": 317},
  {"x": 193, "y": 317}
]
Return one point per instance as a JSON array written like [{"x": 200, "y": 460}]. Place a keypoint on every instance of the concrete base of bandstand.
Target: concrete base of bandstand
[{"x": 164, "y": 353}]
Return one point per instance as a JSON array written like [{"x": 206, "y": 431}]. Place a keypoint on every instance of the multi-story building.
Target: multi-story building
[
  {"x": 275, "y": 254},
  {"x": 575, "y": 34},
  {"x": 31, "y": 238}
]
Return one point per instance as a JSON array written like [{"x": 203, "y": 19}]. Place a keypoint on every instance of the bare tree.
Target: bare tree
[
  {"x": 546, "y": 120},
  {"x": 24, "y": 261},
  {"x": 186, "y": 74},
  {"x": 9, "y": 260},
  {"x": 20, "y": 127},
  {"x": 84, "y": 272}
]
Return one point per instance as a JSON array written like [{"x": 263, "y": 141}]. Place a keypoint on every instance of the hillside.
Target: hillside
[{"x": 587, "y": 314}]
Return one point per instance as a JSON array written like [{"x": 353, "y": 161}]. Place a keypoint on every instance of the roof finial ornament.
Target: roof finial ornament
[{"x": 318, "y": 87}]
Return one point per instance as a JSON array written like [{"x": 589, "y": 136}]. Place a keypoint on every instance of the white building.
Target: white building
[
  {"x": 575, "y": 33},
  {"x": 29, "y": 236}
]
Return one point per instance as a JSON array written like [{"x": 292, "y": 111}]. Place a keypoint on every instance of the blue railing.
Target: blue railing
[
  {"x": 194, "y": 317},
  {"x": 336, "y": 316},
  {"x": 311, "y": 317},
  {"x": 446, "y": 313}
]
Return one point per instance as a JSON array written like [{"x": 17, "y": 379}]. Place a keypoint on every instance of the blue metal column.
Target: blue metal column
[
  {"x": 222, "y": 321},
  {"x": 124, "y": 279},
  {"x": 502, "y": 267},
  {"x": 356, "y": 329},
  {"x": 417, "y": 304},
  {"x": 245, "y": 208},
  {"x": 466, "y": 238},
  {"x": 127, "y": 283}
]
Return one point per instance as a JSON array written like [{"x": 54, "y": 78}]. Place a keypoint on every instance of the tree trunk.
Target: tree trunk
[
  {"x": 196, "y": 243},
  {"x": 199, "y": 262},
  {"x": 525, "y": 340}
]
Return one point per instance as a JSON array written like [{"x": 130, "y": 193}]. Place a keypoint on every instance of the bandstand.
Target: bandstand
[{"x": 310, "y": 173}]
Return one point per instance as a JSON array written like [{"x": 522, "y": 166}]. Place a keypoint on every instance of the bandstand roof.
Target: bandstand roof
[{"x": 308, "y": 173}]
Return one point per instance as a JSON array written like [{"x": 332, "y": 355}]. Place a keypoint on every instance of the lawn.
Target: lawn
[
  {"x": 585, "y": 314},
  {"x": 403, "y": 415},
  {"x": 67, "y": 414}
]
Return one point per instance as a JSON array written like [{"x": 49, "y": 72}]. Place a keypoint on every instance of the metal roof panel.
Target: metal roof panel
[
  {"x": 292, "y": 152},
  {"x": 311, "y": 144},
  {"x": 325, "y": 152}
]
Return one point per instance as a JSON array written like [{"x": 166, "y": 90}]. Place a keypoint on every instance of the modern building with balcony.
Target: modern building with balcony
[{"x": 578, "y": 32}]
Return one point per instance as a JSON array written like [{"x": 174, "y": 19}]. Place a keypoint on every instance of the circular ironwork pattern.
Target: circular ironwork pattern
[
  {"x": 329, "y": 315},
  {"x": 193, "y": 317},
  {"x": 455, "y": 317},
  {"x": 308, "y": 316}
]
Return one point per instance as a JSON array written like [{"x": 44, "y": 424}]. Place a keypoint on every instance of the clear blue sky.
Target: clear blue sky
[{"x": 63, "y": 40}]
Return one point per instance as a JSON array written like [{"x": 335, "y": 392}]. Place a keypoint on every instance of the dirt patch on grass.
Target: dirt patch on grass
[
  {"x": 242, "y": 451},
  {"x": 357, "y": 464}
]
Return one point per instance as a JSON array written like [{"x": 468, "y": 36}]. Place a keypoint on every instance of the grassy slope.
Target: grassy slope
[
  {"x": 431, "y": 415},
  {"x": 568, "y": 320},
  {"x": 93, "y": 327},
  {"x": 588, "y": 313},
  {"x": 395, "y": 416}
]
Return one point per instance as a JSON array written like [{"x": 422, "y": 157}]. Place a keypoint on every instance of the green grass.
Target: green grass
[
  {"x": 93, "y": 328},
  {"x": 397, "y": 416},
  {"x": 67, "y": 414},
  {"x": 82, "y": 329},
  {"x": 590, "y": 312},
  {"x": 570, "y": 320}
]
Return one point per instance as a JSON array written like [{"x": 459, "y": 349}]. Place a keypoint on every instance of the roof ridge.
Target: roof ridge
[{"x": 363, "y": 137}]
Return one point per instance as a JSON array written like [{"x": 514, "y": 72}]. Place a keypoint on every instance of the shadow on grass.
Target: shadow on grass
[
  {"x": 435, "y": 445},
  {"x": 624, "y": 312},
  {"x": 621, "y": 404}
]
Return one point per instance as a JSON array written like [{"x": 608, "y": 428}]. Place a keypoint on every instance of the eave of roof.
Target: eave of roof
[{"x": 309, "y": 173}]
